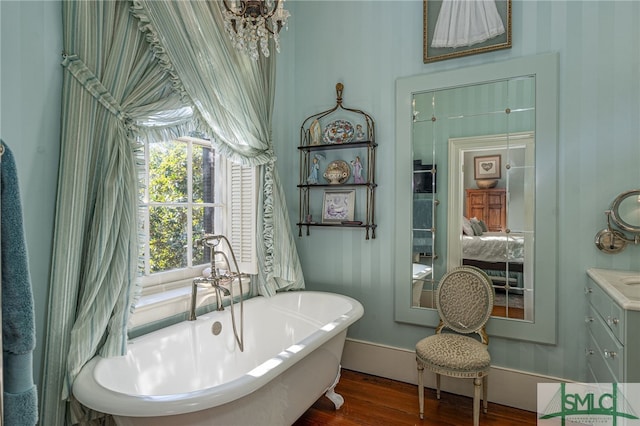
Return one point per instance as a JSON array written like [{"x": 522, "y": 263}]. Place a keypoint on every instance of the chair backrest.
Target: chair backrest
[{"x": 464, "y": 299}]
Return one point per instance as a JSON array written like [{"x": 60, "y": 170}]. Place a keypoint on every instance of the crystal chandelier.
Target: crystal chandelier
[{"x": 253, "y": 22}]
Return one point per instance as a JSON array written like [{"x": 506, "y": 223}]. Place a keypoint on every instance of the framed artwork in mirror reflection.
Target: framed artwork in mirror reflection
[
  {"x": 424, "y": 177},
  {"x": 449, "y": 33},
  {"x": 487, "y": 167}
]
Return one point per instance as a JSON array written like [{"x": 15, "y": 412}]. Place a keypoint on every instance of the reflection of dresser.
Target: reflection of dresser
[{"x": 488, "y": 205}]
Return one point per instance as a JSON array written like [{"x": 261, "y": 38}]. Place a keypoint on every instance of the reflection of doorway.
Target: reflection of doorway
[{"x": 506, "y": 251}]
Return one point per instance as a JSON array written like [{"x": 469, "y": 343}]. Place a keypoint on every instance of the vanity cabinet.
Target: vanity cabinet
[
  {"x": 488, "y": 205},
  {"x": 337, "y": 182},
  {"x": 613, "y": 347}
]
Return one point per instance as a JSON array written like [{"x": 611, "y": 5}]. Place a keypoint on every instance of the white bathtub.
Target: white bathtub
[{"x": 186, "y": 375}]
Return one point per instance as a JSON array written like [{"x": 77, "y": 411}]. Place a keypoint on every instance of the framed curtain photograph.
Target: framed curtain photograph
[
  {"x": 338, "y": 206},
  {"x": 487, "y": 167},
  {"x": 454, "y": 28}
]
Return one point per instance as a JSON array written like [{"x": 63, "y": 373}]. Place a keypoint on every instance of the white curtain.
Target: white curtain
[{"x": 234, "y": 96}]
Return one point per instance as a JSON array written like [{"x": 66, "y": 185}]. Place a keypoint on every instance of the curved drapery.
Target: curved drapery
[
  {"x": 111, "y": 82},
  {"x": 117, "y": 86},
  {"x": 234, "y": 96},
  {"x": 231, "y": 93}
]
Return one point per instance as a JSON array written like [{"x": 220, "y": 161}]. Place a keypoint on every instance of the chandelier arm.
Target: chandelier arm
[
  {"x": 251, "y": 23},
  {"x": 253, "y": 8}
]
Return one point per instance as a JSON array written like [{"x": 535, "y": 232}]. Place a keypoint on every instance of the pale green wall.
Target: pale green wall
[
  {"x": 30, "y": 87},
  {"x": 367, "y": 45}
]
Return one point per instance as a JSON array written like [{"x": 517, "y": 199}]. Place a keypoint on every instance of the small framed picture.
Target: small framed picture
[
  {"x": 338, "y": 206},
  {"x": 487, "y": 167}
]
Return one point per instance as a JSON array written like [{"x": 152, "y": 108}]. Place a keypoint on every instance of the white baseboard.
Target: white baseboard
[{"x": 509, "y": 387}]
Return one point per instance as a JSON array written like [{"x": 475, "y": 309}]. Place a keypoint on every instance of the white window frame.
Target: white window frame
[{"x": 166, "y": 293}]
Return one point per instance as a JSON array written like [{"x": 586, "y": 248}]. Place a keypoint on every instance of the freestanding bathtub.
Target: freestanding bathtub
[{"x": 186, "y": 375}]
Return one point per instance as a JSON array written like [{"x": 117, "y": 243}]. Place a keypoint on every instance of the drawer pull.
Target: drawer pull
[
  {"x": 588, "y": 319},
  {"x": 588, "y": 290},
  {"x": 613, "y": 321},
  {"x": 610, "y": 354}
]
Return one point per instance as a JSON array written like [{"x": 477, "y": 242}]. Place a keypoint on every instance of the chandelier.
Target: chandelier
[{"x": 253, "y": 22}]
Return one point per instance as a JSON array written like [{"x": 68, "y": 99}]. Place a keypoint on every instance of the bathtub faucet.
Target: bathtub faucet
[
  {"x": 216, "y": 278},
  {"x": 224, "y": 270},
  {"x": 207, "y": 281}
]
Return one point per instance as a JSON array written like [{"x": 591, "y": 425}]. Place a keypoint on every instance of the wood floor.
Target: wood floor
[
  {"x": 501, "y": 311},
  {"x": 371, "y": 400}
]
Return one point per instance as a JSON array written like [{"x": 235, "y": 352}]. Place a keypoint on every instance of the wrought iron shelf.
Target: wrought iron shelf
[
  {"x": 311, "y": 142},
  {"x": 348, "y": 145},
  {"x": 342, "y": 185}
]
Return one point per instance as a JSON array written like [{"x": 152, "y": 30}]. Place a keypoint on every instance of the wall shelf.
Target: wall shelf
[{"x": 359, "y": 143}]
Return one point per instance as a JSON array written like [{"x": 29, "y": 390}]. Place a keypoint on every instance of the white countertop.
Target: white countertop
[{"x": 622, "y": 286}]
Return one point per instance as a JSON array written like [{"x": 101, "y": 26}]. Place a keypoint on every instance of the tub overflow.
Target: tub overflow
[{"x": 216, "y": 328}]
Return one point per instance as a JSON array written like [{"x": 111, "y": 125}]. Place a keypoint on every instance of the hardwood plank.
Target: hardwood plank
[
  {"x": 501, "y": 311},
  {"x": 372, "y": 400}
]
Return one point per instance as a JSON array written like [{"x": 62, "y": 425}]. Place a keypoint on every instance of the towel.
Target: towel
[{"x": 18, "y": 329}]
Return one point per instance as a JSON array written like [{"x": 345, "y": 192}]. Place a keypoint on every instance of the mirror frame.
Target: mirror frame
[
  {"x": 615, "y": 213},
  {"x": 543, "y": 328}
]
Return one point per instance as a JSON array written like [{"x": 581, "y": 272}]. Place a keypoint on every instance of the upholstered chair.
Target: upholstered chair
[{"x": 464, "y": 299}]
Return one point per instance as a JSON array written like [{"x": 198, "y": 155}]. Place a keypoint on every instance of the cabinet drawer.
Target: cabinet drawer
[
  {"x": 605, "y": 344},
  {"x": 598, "y": 370},
  {"x": 611, "y": 312}
]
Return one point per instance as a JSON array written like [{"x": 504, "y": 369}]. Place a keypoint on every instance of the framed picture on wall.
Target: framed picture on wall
[
  {"x": 487, "y": 167},
  {"x": 338, "y": 206},
  {"x": 446, "y": 37}
]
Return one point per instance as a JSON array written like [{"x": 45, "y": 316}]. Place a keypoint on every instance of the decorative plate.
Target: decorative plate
[
  {"x": 337, "y": 172},
  {"x": 339, "y": 131}
]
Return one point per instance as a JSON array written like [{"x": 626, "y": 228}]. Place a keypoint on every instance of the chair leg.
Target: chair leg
[
  {"x": 477, "y": 388},
  {"x": 438, "y": 386},
  {"x": 485, "y": 391},
  {"x": 421, "y": 388}
]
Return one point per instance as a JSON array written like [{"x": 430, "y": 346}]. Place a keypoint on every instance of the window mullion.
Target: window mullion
[{"x": 189, "y": 203}]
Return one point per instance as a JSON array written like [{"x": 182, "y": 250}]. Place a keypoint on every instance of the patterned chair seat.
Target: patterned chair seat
[
  {"x": 454, "y": 355},
  {"x": 464, "y": 299}
]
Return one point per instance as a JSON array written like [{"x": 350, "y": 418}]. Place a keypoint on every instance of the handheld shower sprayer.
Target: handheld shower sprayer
[{"x": 217, "y": 278}]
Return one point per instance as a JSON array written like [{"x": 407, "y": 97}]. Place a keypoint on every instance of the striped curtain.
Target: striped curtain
[
  {"x": 112, "y": 82},
  {"x": 234, "y": 96},
  {"x": 121, "y": 83}
]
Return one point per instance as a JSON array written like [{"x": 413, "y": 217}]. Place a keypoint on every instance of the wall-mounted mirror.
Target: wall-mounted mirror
[
  {"x": 481, "y": 143},
  {"x": 625, "y": 214},
  {"x": 625, "y": 211}
]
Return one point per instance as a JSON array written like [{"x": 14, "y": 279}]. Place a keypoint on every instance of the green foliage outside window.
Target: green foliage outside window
[{"x": 169, "y": 235}]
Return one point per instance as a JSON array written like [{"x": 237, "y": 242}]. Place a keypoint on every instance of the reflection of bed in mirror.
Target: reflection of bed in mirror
[
  {"x": 499, "y": 254},
  {"x": 420, "y": 274}
]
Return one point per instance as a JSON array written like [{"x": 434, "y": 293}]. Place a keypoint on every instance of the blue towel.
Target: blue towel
[{"x": 18, "y": 329}]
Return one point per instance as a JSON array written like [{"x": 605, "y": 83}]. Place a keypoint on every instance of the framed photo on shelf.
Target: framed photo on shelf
[
  {"x": 487, "y": 167},
  {"x": 338, "y": 206},
  {"x": 444, "y": 38}
]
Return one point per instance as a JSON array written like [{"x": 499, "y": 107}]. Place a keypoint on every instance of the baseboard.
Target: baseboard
[{"x": 509, "y": 387}]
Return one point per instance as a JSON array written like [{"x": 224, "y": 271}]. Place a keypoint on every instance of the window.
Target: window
[{"x": 189, "y": 190}]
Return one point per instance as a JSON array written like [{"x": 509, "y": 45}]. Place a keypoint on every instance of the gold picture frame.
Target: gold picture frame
[{"x": 432, "y": 10}]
